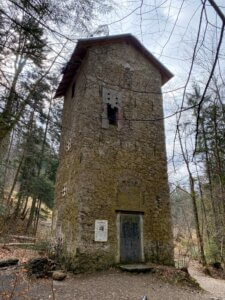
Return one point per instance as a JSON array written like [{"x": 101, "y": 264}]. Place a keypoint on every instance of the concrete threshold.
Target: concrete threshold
[{"x": 136, "y": 268}]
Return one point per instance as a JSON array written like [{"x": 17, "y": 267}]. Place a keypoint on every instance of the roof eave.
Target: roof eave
[{"x": 80, "y": 52}]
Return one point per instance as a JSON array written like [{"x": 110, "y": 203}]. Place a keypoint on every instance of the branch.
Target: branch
[
  {"x": 207, "y": 84},
  {"x": 218, "y": 10}
]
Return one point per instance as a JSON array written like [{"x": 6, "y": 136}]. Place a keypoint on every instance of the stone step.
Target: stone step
[{"x": 136, "y": 268}]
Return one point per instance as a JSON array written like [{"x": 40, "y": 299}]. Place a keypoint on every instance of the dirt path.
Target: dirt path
[
  {"x": 107, "y": 285},
  {"x": 216, "y": 287}
]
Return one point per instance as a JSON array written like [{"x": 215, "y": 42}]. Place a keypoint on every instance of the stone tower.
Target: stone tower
[{"x": 112, "y": 197}]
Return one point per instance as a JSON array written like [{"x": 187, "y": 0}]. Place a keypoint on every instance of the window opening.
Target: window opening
[
  {"x": 112, "y": 113},
  {"x": 73, "y": 89}
]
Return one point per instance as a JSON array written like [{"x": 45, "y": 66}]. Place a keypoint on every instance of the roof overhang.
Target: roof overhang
[{"x": 81, "y": 50}]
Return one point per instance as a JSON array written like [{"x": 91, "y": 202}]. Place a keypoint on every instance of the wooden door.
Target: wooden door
[{"x": 130, "y": 238}]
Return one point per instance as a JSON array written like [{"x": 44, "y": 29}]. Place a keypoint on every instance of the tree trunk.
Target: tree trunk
[
  {"x": 194, "y": 202},
  {"x": 31, "y": 216},
  {"x": 40, "y": 164},
  {"x": 25, "y": 208},
  {"x": 9, "y": 200},
  {"x": 5, "y": 163},
  {"x": 18, "y": 205},
  {"x": 37, "y": 217},
  {"x": 7, "y": 116},
  {"x": 198, "y": 233},
  {"x": 208, "y": 171}
]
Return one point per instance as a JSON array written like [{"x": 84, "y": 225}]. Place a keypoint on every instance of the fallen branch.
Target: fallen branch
[
  {"x": 17, "y": 244},
  {"x": 23, "y": 237}
]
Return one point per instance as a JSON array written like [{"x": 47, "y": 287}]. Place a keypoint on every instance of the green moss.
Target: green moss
[
  {"x": 83, "y": 262},
  {"x": 113, "y": 170}
]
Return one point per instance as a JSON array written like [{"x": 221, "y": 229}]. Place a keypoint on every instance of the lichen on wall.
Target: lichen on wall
[{"x": 111, "y": 168}]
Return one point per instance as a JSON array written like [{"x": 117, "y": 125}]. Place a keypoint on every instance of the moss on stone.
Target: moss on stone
[{"x": 107, "y": 170}]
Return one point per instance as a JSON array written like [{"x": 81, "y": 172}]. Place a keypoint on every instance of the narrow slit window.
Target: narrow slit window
[
  {"x": 112, "y": 113},
  {"x": 73, "y": 90}
]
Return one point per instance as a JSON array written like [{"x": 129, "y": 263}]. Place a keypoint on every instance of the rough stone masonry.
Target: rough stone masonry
[{"x": 112, "y": 198}]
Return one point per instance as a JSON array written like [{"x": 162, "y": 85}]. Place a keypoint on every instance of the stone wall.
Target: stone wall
[{"x": 105, "y": 168}]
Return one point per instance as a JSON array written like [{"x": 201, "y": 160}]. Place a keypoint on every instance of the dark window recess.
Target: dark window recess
[
  {"x": 112, "y": 113},
  {"x": 73, "y": 90}
]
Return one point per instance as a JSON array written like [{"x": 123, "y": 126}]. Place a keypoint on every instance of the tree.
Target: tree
[
  {"x": 31, "y": 51},
  {"x": 209, "y": 152}
]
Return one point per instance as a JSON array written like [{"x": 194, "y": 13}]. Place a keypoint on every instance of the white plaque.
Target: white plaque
[{"x": 101, "y": 230}]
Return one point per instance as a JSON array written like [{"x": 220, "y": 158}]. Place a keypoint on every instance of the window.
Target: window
[
  {"x": 73, "y": 90},
  {"x": 112, "y": 113}
]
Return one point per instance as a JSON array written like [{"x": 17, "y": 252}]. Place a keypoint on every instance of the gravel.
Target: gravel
[{"x": 112, "y": 284}]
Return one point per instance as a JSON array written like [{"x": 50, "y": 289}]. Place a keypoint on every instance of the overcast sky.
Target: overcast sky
[
  {"x": 168, "y": 29},
  {"x": 169, "y": 32}
]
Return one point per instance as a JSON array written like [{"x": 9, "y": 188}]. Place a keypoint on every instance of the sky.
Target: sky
[{"x": 168, "y": 29}]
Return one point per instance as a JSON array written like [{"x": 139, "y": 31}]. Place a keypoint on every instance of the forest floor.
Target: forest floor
[
  {"x": 112, "y": 284},
  {"x": 215, "y": 286}
]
